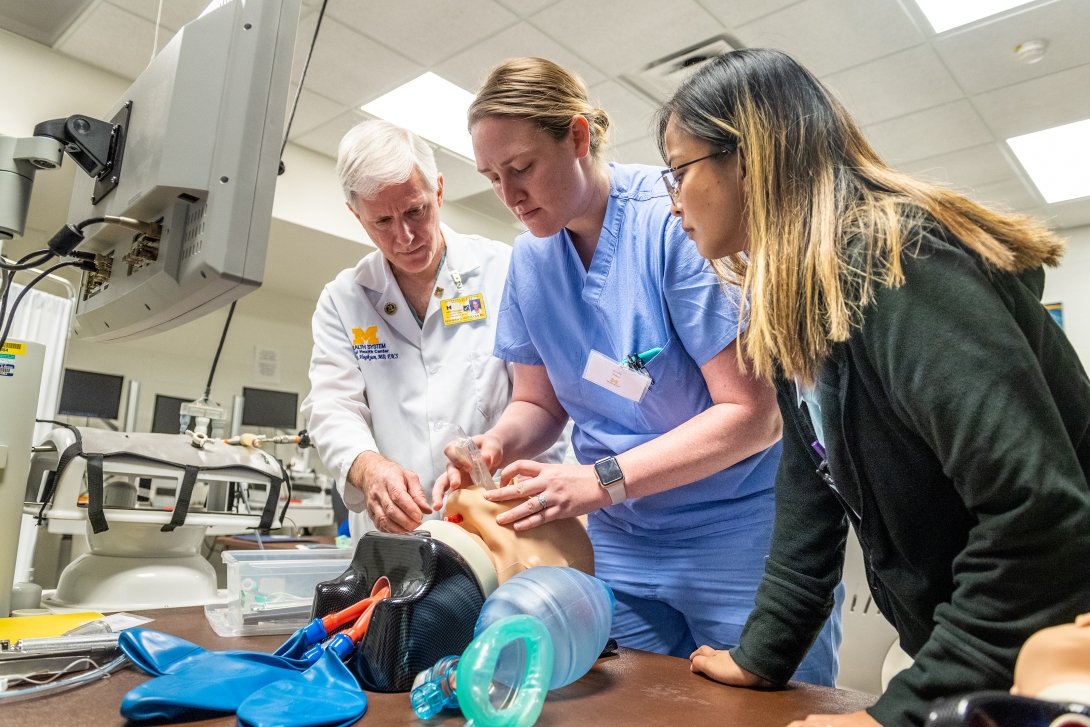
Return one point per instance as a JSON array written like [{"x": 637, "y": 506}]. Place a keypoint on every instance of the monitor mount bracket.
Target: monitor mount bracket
[{"x": 96, "y": 146}]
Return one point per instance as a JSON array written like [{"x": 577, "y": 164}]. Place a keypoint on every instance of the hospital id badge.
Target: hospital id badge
[
  {"x": 616, "y": 377},
  {"x": 463, "y": 310}
]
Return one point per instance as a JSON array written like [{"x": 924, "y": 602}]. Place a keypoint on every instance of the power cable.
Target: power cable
[
  {"x": 299, "y": 90},
  {"x": 219, "y": 349}
]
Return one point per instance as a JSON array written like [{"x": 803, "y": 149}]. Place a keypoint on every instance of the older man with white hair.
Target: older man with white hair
[{"x": 403, "y": 341}]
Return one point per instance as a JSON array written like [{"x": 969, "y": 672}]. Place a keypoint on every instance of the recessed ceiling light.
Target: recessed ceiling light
[
  {"x": 1056, "y": 160},
  {"x": 432, "y": 107},
  {"x": 946, "y": 14}
]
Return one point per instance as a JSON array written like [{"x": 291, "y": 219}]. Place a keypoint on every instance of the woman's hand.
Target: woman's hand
[
  {"x": 567, "y": 490},
  {"x": 855, "y": 719},
  {"x": 720, "y": 666},
  {"x": 457, "y": 474}
]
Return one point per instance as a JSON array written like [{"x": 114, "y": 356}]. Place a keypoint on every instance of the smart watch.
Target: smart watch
[{"x": 611, "y": 479}]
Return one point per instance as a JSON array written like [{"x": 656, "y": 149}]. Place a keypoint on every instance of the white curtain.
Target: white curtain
[{"x": 44, "y": 318}]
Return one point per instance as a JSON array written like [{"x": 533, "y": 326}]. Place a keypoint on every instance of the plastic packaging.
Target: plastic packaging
[
  {"x": 466, "y": 454},
  {"x": 434, "y": 688},
  {"x": 481, "y": 693},
  {"x": 577, "y": 610},
  {"x": 272, "y": 591}
]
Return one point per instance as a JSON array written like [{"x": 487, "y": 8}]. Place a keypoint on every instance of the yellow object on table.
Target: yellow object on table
[{"x": 33, "y": 627}]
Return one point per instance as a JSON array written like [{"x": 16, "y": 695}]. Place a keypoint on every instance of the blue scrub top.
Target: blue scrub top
[{"x": 647, "y": 287}]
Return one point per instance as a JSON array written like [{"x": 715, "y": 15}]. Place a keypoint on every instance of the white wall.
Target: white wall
[{"x": 1070, "y": 284}]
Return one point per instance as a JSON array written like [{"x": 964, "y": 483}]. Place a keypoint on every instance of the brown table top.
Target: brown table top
[
  {"x": 633, "y": 688},
  {"x": 230, "y": 542}
]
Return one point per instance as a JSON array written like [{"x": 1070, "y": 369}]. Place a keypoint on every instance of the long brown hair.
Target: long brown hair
[
  {"x": 828, "y": 220},
  {"x": 543, "y": 92}
]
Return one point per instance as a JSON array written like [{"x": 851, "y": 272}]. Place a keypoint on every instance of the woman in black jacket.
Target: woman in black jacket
[{"x": 928, "y": 397}]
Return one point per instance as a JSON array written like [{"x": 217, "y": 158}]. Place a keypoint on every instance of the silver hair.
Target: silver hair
[{"x": 376, "y": 154}]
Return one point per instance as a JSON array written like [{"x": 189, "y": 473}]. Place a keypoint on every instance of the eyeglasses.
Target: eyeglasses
[{"x": 673, "y": 185}]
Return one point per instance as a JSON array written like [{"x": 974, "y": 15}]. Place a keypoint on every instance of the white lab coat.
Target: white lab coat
[{"x": 391, "y": 392}]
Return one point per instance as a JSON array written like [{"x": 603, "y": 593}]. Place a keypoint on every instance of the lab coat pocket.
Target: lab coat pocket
[{"x": 491, "y": 383}]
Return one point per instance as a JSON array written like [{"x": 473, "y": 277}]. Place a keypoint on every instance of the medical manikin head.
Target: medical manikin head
[
  {"x": 559, "y": 542},
  {"x": 1054, "y": 664}
]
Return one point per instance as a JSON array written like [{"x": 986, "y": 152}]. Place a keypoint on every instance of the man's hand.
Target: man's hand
[
  {"x": 457, "y": 474},
  {"x": 720, "y": 666},
  {"x": 395, "y": 499},
  {"x": 855, "y": 719}
]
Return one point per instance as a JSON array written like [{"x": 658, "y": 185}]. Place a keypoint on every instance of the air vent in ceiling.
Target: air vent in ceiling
[{"x": 659, "y": 78}]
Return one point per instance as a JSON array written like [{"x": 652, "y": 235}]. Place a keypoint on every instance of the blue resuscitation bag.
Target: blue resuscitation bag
[{"x": 263, "y": 689}]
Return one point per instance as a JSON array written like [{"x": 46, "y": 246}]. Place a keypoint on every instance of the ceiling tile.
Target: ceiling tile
[
  {"x": 43, "y": 21},
  {"x": 622, "y": 35},
  {"x": 176, "y": 13},
  {"x": 1009, "y": 195},
  {"x": 314, "y": 110},
  {"x": 928, "y": 133},
  {"x": 964, "y": 169},
  {"x": 630, "y": 115},
  {"x": 733, "y": 13},
  {"x": 426, "y": 31},
  {"x": 327, "y": 137},
  {"x": 828, "y": 36},
  {"x": 526, "y": 8},
  {"x": 469, "y": 68},
  {"x": 460, "y": 176},
  {"x": 895, "y": 85},
  {"x": 640, "y": 151},
  {"x": 114, "y": 39},
  {"x": 982, "y": 58},
  {"x": 1054, "y": 100},
  {"x": 350, "y": 68},
  {"x": 1068, "y": 214},
  {"x": 487, "y": 203}
]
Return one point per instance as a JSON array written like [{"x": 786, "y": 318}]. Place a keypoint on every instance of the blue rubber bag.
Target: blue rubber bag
[
  {"x": 325, "y": 695},
  {"x": 192, "y": 681}
]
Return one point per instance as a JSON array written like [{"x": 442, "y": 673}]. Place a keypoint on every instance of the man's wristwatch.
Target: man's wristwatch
[{"x": 611, "y": 479}]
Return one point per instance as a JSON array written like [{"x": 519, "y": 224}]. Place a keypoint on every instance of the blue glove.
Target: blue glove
[{"x": 326, "y": 695}]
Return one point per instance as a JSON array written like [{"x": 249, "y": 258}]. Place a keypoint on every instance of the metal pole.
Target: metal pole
[
  {"x": 131, "y": 405},
  {"x": 236, "y": 415}
]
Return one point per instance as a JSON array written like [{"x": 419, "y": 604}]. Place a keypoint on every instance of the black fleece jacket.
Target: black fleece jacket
[{"x": 957, "y": 428}]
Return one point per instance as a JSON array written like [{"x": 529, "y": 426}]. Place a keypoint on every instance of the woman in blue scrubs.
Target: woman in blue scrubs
[{"x": 678, "y": 482}]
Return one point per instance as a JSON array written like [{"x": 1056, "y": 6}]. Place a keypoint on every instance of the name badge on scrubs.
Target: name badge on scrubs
[
  {"x": 463, "y": 310},
  {"x": 616, "y": 377}
]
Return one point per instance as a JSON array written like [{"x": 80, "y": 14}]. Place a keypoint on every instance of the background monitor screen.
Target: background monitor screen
[
  {"x": 87, "y": 394},
  {"x": 263, "y": 408},
  {"x": 167, "y": 413}
]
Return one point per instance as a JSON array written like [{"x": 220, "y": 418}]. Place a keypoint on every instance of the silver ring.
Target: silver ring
[{"x": 541, "y": 499}]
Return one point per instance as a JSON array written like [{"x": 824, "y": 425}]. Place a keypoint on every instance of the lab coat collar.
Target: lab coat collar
[{"x": 375, "y": 274}]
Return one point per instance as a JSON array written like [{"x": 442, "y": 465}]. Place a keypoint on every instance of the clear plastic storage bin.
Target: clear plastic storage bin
[{"x": 272, "y": 591}]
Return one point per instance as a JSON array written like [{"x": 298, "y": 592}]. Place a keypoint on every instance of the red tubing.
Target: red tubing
[
  {"x": 360, "y": 627},
  {"x": 336, "y": 620}
]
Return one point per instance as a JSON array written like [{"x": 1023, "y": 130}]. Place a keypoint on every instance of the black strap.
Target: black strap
[
  {"x": 269, "y": 511},
  {"x": 181, "y": 505},
  {"x": 74, "y": 450},
  {"x": 94, "y": 494}
]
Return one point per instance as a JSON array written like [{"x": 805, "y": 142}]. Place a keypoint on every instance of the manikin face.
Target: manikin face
[
  {"x": 403, "y": 222},
  {"x": 541, "y": 180},
  {"x": 711, "y": 199},
  {"x": 1053, "y": 657},
  {"x": 558, "y": 543}
]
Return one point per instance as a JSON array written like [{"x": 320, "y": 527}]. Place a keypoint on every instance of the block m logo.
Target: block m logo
[{"x": 361, "y": 337}]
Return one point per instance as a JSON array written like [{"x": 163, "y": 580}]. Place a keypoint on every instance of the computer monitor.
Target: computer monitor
[
  {"x": 263, "y": 408},
  {"x": 203, "y": 127},
  {"x": 88, "y": 394},
  {"x": 165, "y": 420}
]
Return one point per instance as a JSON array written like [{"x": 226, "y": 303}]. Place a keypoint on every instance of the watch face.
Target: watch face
[{"x": 608, "y": 471}]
